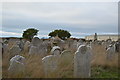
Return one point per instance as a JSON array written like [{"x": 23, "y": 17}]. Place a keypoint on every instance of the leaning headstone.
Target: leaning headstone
[
  {"x": 17, "y": 65},
  {"x": 82, "y": 59}
]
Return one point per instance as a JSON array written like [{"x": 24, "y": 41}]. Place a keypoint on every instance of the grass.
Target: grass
[
  {"x": 101, "y": 68},
  {"x": 104, "y": 72}
]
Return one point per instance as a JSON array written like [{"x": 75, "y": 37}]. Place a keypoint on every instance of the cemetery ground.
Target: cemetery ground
[{"x": 101, "y": 68}]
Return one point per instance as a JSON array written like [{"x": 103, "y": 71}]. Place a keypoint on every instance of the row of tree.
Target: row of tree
[{"x": 31, "y": 32}]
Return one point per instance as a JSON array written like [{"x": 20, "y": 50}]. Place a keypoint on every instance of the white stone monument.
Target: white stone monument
[
  {"x": 50, "y": 62},
  {"x": 17, "y": 65},
  {"x": 110, "y": 52},
  {"x": 82, "y": 60}
]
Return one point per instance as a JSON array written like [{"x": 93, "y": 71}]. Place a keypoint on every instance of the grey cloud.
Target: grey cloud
[{"x": 74, "y": 17}]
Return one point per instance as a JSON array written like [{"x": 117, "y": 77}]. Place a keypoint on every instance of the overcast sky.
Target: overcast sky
[{"x": 79, "y": 18}]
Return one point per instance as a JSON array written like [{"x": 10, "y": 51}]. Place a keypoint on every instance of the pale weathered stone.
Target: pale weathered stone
[
  {"x": 33, "y": 50},
  {"x": 66, "y": 57},
  {"x": 36, "y": 42},
  {"x": 55, "y": 50},
  {"x": 26, "y": 47},
  {"x": 15, "y": 50},
  {"x": 43, "y": 49},
  {"x": 65, "y": 63},
  {"x": 5, "y": 49},
  {"x": 12, "y": 42},
  {"x": 17, "y": 65},
  {"x": 110, "y": 52},
  {"x": 82, "y": 59},
  {"x": 80, "y": 42},
  {"x": 50, "y": 64}
]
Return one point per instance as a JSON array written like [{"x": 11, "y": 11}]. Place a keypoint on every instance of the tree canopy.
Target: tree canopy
[
  {"x": 63, "y": 34},
  {"x": 29, "y": 33}
]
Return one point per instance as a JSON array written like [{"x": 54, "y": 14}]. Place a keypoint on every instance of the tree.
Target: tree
[
  {"x": 63, "y": 34},
  {"x": 29, "y": 33}
]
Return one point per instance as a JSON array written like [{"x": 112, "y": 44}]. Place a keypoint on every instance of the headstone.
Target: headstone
[
  {"x": 17, "y": 65},
  {"x": 110, "y": 52},
  {"x": 21, "y": 45},
  {"x": 80, "y": 42},
  {"x": 33, "y": 50},
  {"x": 65, "y": 64},
  {"x": 117, "y": 47},
  {"x": 66, "y": 57},
  {"x": 36, "y": 42},
  {"x": 15, "y": 50},
  {"x": 26, "y": 47},
  {"x": 43, "y": 49},
  {"x": 55, "y": 50},
  {"x": 82, "y": 59},
  {"x": 5, "y": 48},
  {"x": 50, "y": 62},
  {"x": 75, "y": 44},
  {"x": 12, "y": 42}
]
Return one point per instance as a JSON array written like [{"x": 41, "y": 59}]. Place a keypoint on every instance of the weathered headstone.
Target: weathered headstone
[
  {"x": 17, "y": 65},
  {"x": 110, "y": 52},
  {"x": 55, "y": 50},
  {"x": 12, "y": 42},
  {"x": 65, "y": 64},
  {"x": 33, "y": 50},
  {"x": 43, "y": 49},
  {"x": 36, "y": 42},
  {"x": 66, "y": 58},
  {"x": 26, "y": 47},
  {"x": 82, "y": 59},
  {"x": 5, "y": 49},
  {"x": 50, "y": 62},
  {"x": 117, "y": 47},
  {"x": 15, "y": 50},
  {"x": 80, "y": 42}
]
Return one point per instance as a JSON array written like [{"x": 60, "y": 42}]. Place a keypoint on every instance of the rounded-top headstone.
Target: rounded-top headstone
[
  {"x": 17, "y": 65},
  {"x": 82, "y": 59},
  {"x": 55, "y": 50}
]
